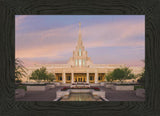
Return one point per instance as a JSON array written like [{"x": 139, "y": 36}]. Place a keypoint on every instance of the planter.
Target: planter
[
  {"x": 73, "y": 85},
  {"x": 36, "y": 88},
  {"x": 50, "y": 86},
  {"x": 103, "y": 84},
  {"x": 123, "y": 87},
  {"x": 94, "y": 84},
  {"x": 80, "y": 90},
  {"x": 57, "y": 83},
  {"x": 80, "y": 86},
  {"x": 99, "y": 93},
  {"x": 110, "y": 86},
  {"x": 60, "y": 94}
]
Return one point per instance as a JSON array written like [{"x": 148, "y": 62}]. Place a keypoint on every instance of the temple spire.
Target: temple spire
[
  {"x": 80, "y": 35},
  {"x": 79, "y": 27}
]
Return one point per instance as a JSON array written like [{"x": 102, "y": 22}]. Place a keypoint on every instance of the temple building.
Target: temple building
[{"x": 79, "y": 68}]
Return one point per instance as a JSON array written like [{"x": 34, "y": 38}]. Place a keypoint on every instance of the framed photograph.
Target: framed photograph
[{"x": 79, "y": 58}]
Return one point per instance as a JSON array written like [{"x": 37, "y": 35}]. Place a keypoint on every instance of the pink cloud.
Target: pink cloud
[
  {"x": 45, "y": 51},
  {"x": 114, "y": 34},
  {"x": 55, "y": 42}
]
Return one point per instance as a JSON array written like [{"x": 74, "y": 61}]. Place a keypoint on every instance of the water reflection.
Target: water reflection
[{"x": 80, "y": 97}]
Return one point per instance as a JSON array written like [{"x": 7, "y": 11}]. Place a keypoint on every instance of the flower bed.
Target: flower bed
[
  {"x": 66, "y": 88},
  {"x": 96, "y": 88}
]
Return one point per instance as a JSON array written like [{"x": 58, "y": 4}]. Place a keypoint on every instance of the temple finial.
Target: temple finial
[
  {"x": 80, "y": 36},
  {"x": 79, "y": 26}
]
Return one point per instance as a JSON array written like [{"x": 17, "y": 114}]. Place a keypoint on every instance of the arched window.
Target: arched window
[{"x": 79, "y": 51}]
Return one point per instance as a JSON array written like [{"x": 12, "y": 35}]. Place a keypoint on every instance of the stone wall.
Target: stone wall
[{"x": 123, "y": 87}]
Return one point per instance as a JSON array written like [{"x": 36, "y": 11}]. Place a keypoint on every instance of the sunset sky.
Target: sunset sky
[{"x": 109, "y": 39}]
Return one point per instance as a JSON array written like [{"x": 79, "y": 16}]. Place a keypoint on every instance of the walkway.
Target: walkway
[
  {"x": 50, "y": 95},
  {"x": 113, "y": 95}
]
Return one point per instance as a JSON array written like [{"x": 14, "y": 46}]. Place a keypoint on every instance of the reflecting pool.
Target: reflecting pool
[{"x": 81, "y": 97}]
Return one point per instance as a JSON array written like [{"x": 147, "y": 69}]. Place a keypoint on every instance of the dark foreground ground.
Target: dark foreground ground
[{"x": 50, "y": 95}]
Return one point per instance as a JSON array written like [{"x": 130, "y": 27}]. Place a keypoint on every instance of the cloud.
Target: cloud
[
  {"x": 45, "y": 51},
  {"x": 115, "y": 34},
  {"x": 19, "y": 20},
  {"x": 56, "y": 42}
]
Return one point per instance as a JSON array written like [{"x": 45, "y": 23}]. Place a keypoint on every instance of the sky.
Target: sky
[{"x": 109, "y": 39}]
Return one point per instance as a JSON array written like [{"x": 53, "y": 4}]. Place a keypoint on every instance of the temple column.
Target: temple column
[
  {"x": 72, "y": 78},
  {"x": 64, "y": 77},
  {"x": 96, "y": 77},
  {"x": 87, "y": 77}
]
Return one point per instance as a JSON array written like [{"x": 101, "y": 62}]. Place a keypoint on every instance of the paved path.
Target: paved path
[
  {"x": 113, "y": 95},
  {"x": 50, "y": 95}
]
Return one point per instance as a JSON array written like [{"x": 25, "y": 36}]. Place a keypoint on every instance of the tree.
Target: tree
[
  {"x": 20, "y": 70},
  {"x": 42, "y": 74},
  {"x": 109, "y": 77},
  {"x": 120, "y": 74},
  {"x": 141, "y": 80},
  {"x": 128, "y": 73},
  {"x": 51, "y": 77}
]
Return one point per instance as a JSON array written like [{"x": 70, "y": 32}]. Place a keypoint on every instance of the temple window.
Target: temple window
[
  {"x": 100, "y": 78},
  {"x": 80, "y": 62},
  {"x": 76, "y": 62},
  {"x": 79, "y": 51},
  {"x": 59, "y": 78},
  {"x": 91, "y": 78},
  {"x": 83, "y": 62},
  {"x": 68, "y": 78}
]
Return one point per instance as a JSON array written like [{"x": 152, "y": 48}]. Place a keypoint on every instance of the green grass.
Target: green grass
[{"x": 138, "y": 87}]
